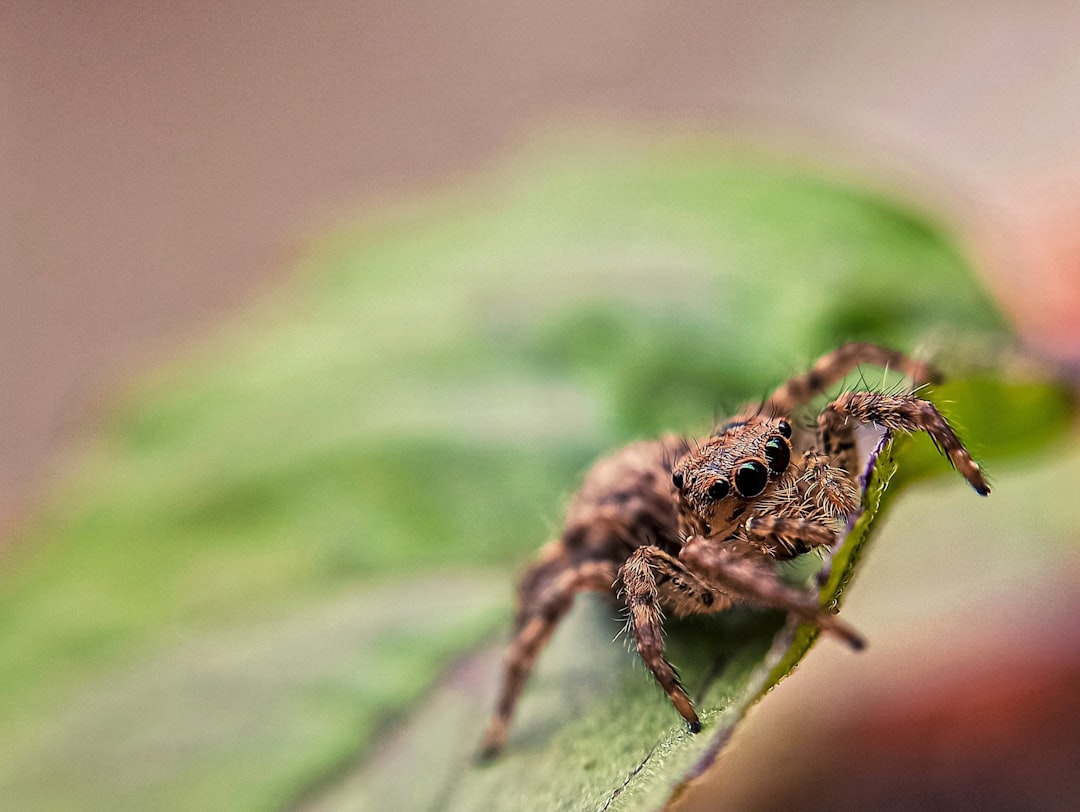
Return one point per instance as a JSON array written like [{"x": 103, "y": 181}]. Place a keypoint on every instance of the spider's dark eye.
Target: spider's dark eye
[
  {"x": 784, "y": 428},
  {"x": 778, "y": 454},
  {"x": 677, "y": 479},
  {"x": 719, "y": 489},
  {"x": 750, "y": 478}
]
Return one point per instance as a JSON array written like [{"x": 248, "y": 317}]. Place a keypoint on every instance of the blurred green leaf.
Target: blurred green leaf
[{"x": 411, "y": 410}]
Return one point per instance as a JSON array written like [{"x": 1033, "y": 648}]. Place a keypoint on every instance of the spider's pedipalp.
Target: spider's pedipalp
[{"x": 790, "y": 534}]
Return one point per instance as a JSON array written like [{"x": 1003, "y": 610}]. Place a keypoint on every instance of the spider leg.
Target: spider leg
[
  {"x": 831, "y": 369},
  {"x": 649, "y": 576},
  {"x": 540, "y": 612},
  {"x": 753, "y": 580},
  {"x": 910, "y": 414},
  {"x": 837, "y": 437}
]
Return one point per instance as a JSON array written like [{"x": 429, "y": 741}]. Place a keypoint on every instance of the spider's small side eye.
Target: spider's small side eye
[
  {"x": 777, "y": 454},
  {"x": 677, "y": 479},
  {"x": 784, "y": 428},
  {"x": 751, "y": 478},
  {"x": 719, "y": 489}
]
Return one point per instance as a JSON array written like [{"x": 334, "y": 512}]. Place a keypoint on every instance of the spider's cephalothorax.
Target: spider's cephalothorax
[
  {"x": 746, "y": 483},
  {"x": 665, "y": 525}
]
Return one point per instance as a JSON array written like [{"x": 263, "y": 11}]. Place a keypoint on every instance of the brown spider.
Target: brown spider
[{"x": 695, "y": 529}]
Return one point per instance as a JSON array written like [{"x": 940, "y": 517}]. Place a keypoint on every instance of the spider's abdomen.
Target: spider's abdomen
[{"x": 626, "y": 501}]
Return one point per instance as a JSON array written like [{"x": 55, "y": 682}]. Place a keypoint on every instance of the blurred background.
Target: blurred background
[{"x": 215, "y": 218}]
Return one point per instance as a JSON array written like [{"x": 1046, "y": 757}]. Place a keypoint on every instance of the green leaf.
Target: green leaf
[{"x": 267, "y": 580}]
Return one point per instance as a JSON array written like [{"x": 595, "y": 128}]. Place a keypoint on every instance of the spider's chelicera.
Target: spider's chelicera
[{"x": 689, "y": 528}]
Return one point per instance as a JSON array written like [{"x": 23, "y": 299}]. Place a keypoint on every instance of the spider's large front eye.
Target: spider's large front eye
[
  {"x": 718, "y": 490},
  {"x": 778, "y": 455},
  {"x": 677, "y": 479},
  {"x": 751, "y": 478}
]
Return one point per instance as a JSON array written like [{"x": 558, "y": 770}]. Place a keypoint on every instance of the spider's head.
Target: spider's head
[{"x": 734, "y": 468}]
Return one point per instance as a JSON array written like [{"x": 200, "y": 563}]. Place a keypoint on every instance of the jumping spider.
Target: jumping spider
[{"x": 691, "y": 529}]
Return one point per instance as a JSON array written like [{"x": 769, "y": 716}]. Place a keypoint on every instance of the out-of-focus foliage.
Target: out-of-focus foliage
[{"x": 278, "y": 544}]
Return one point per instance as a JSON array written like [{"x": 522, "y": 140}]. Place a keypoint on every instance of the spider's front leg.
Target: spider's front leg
[
  {"x": 651, "y": 577},
  {"x": 752, "y": 579},
  {"x": 542, "y": 605},
  {"x": 904, "y": 413}
]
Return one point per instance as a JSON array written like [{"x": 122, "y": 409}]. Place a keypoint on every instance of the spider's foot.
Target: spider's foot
[
  {"x": 829, "y": 623},
  {"x": 493, "y": 742}
]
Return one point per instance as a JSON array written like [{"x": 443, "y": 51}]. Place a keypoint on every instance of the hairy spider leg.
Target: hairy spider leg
[
  {"x": 534, "y": 628},
  {"x": 909, "y": 414},
  {"x": 753, "y": 580},
  {"x": 651, "y": 577},
  {"x": 837, "y": 438},
  {"x": 832, "y": 367}
]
